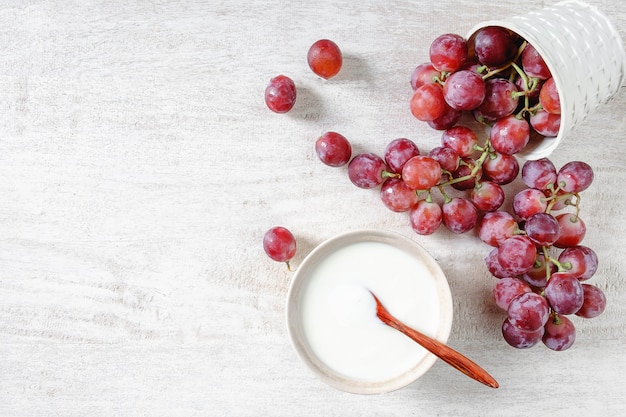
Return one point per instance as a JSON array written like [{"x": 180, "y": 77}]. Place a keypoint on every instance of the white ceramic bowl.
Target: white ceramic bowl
[{"x": 332, "y": 319}]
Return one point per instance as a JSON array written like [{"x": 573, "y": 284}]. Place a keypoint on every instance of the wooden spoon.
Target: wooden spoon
[{"x": 445, "y": 353}]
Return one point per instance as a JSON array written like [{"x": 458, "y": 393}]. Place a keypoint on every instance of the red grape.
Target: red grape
[
  {"x": 539, "y": 173},
  {"x": 464, "y": 90},
  {"x": 564, "y": 293},
  {"x": 448, "y": 159},
  {"x": 495, "y": 227},
  {"x": 448, "y": 118},
  {"x": 501, "y": 169},
  {"x": 280, "y": 94},
  {"x": 518, "y": 338},
  {"x": 427, "y": 102},
  {"x": 398, "y": 151},
  {"x": 325, "y": 58},
  {"x": 487, "y": 196},
  {"x": 366, "y": 170},
  {"x": 333, "y": 149},
  {"x": 424, "y": 74},
  {"x": 448, "y": 52},
  {"x": 572, "y": 229},
  {"x": 425, "y": 217},
  {"x": 506, "y": 289},
  {"x": 579, "y": 261},
  {"x": 546, "y": 124},
  {"x": 517, "y": 254},
  {"x": 542, "y": 228},
  {"x": 494, "y": 267},
  {"x": 421, "y": 172},
  {"x": 528, "y": 311},
  {"x": 461, "y": 139},
  {"x": 510, "y": 135},
  {"x": 537, "y": 276},
  {"x": 533, "y": 64},
  {"x": 279, "y": 244},
  {"x": 575, "y": 176},
  {"x": 500, "y": 99},
  {"x": 549, "y": 97},
  {"x": 528, "y": 202},
  {"x": 459, "y": 215},
  {"x": 494, "y": 46},
  {"x": 559, "y": 334},
  {"x": 397, "y": 196},
  {"x": 465, "y": 169},
  {"x": 594, "y": 302}
]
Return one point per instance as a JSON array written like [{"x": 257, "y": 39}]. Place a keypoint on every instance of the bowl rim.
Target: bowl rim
[{"x": 300, "y": 278}]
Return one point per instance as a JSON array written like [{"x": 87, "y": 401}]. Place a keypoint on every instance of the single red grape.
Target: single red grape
[
  {"x": 564, "y": 293},
  {"x": 366, "y": 170},
  {"x": 500, "y": 168},
  {"x": 528, "y": 202},
  {"x": 506, "y": 289},
  {"x": 510, "y": 135},
  {"x": 461, "y": 139},
  {"x": 549, "y": 97},
  {"x": 398, "y": 151},
  {"x": 500, "y": 99},
  {"x": 594, "y": 302},
  {"x": 427, "y": 102},
  {"x": 487, "y": 196},
  {"x": 546, "y": 124},
  {"x": 459, "y": 215},
  {"x": 497, "y": 226},
  {"x": 528, "y": 311},
  {"x": 464, "y": 90},
  {"x": 559, "y": 334},
  {"x": 573, "y": 230},
  {"x": 448, "y": 52},
  {"x": 518, "y": 338},
  {"x": 424, "y": 74},
  {"x": 397, "y": 196},
  {"x": 539, "y": 173},
  {"x": 279, "y": 244},
  {"x": 533, "y": 64},
  {"x": 421, "y": 172},
  {"x": 333, "y": 149},
  {"x": 542, "y": 228},
  {"x": 579, "y": 261},
  {"x": 448, "y": 159},
  {"x": 575, "y": 176},
  {"x": 325, "y": 58},
  {"x": 280, "y": 94},
  {"x": 425, "y": 217},
  {"x": 517, "y": 254},
  {"x": 494, "y": 46}
]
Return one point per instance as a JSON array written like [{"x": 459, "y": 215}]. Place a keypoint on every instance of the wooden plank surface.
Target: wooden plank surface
[{"x": 139, "y": 169}]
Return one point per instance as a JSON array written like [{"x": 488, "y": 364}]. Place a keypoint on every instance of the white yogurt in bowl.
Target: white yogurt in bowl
[{"x": 332, "y": 315}]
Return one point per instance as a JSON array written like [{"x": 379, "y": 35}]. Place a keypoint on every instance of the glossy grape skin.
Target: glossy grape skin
[
  {"x": 495, "y": 227},
  {"x": 528, "y": 202},
  {"x": 539, "y": 173},
  {"x": 499, "y": 99},
  {"x": 333, "y": 149},
  {"x": 459, "y": 215},
  {"x": 280, "y": 94},
  {"x": 528, "y": 311},
  {"x": 425, "y": 217},
  {"x": 460, "y": 139},
  {"x": 518, "y": 338},
  {"x": 279, "y": 244},
  {"x": 398, "y": 151},
  {"x": 546, "y": 124},
  {"x": 427, "y": 102},
  {"x": 572, "y": 230},
  {"x": 464, "y": 90},
  {"x": 575, "y": 176},
  {"x": 564, "y": 293},
  {"x": 448, "y": 159},
  {"x": 594, "y": 302},
  {"x": 542, "y": 228},
  {"x": 579, "y": 261},
  {"x": 366, "y": 170},
  {"x": 533, "y": 64},
  {"x": 517, "y": 254},
  {"x": 501, "y": 169},
  {"x": 397, "y": 196},
  {"x": 494, "y": 46},
  {"x": 424, "y": 74},
  {"x": 324, "y": 58},
  {"x": 421, "y": 172},
  {"x": 559, "y": 334},
  {"x": 509, "y": 135},
  {"x": 448, "y": 52},
  {"x": 506, "y": 289},
  {"x": 487, "y": 196},
  {"x": 549, "y": 97}
]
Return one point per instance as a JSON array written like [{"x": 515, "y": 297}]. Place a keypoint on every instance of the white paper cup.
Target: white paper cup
[{"x": 584, "y": 53}]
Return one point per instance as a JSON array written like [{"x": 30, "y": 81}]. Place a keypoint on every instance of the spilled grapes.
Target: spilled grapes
[{"x": 488, "y": 98}]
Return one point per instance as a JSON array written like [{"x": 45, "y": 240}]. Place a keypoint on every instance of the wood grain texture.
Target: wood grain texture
[{"x": 139, "y": 169}]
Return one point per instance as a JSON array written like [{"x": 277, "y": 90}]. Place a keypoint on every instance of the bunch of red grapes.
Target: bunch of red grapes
[{"x": 501, "y": 84}]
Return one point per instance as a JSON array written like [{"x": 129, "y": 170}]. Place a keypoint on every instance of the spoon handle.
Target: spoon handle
[{"x": 442, "y": 351}]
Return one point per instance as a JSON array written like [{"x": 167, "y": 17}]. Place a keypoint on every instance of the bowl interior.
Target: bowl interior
[{"x": 339, "y": 338}]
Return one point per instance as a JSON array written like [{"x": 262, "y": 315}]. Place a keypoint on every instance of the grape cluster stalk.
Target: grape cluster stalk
[{"x": 536, "y": 252}]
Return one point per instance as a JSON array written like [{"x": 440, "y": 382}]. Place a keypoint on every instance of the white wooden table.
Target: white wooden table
[{"x": 139, "y": 169}]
